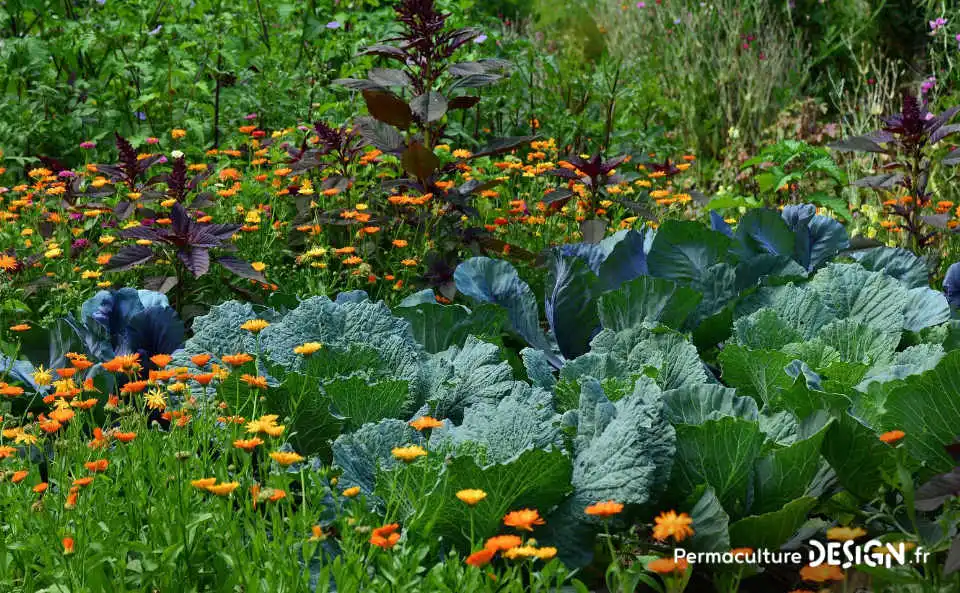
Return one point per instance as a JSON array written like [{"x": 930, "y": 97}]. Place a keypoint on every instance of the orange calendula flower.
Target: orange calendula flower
[
  {"x": 666, "y": 566},
  {"x": 471, "y": 497},
  {"x": 99, "y": 465},
  {"x": 248, "y": 444},
  {"x": 892, "y": 437},
  {"x": 352, "y": 491},
  {"x": 237, "y": 359},
  {"x": 317, "y": 532},
  {"x": 604, "y": 509},
  {"x": 41, "y": 487},
  {"x": 499, "y": 543},
  {"x": 223, "y": 489},
  {"x": 161, "y": 360},
  {"x": 670, "y": 524},
  {"x": 385, "y": 537},
  {"x": 134, "y": 387},
  {"x": 20, "y": 327},
  {"x": 203, "y": 483},
  {"x": 308, "y": 348},
  {"x": 286, "y": 458},
  {"x": 19, "y": 476},
  {"x": 524, "y": 519},
  {"x": 822, "y": 573},
  {"x": 68, "y": 546},
  {"x": 200, "y": 359},
  {"x": 257, "y": 382},
  {"x": 425, "y": 422},
  {"x": 7, "y": 451},
  {"x": 83, "y": 482},
  {"x": 125, "y": 437},
  {"x": 480, "y": 558},
  {"x": 842, "y": 534}
]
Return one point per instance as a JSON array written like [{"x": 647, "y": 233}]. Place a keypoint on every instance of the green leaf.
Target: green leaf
[
  {"x": 437, "y": 327},
  {"x": 357, "y": 401},
  {"x": 771, "y": 530},
  {"x": 458, "y": 378},
  {"x": 684, "y": 250},
  {"x": 363, "y": 453},
  {"x": 927, "y": 408},
  {"x": 854, "y": 293},
  {"x": 786, "y": 473},
  {"x": 898, "y": 263},
  {"x": 857, "y": 456},
  {"x": 711, "y": 522},
  {"x": 764, "y": 330},
  {"x": 720, "y": 453},
  {"x": 647, "y": 300},
  {"x": 695, "y": 404},
  {"x": 535, "y": 478},
  {"x": 757, "y": 373}
]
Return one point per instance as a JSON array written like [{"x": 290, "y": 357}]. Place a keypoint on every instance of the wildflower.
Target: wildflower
[
  {"x": 385, "y": 537},
  {"x": 286, "y": 458},
  {"x": 308, "y": 348},
  {"x": 161, "y": 360},
  {"x": 203, "y": 483},
  {"x": 42, "y": 377},
  {"x": 237, "y": 359},
  {"x": 667, "y": 566},
  {"x": 68, "y": 546},
  {"x": 523, "y": 519},
  {"x": 223, "y": 489},
  {"x": 156, "y": 400},
  {"x": 257, "y": 382},
  {"x": 409, "y": 453},
  {"x": 842, "y": 534},
  {"x": 604, "y": 509},
  {"x": 892, "y": 437},
  {"x": 255, "y": 326},
  {"x": 99, "y": 465},
  {"x": 480, "y": 558},
  {"x": 248, "y": 444},
  {"x": 822, "y": 573},
  {"x": 352, "y": 491},
  {"x": 425, "y": 422},
  {"x": 471, "y": 496},
  {"x": 499, "y": 543},
  {"x": 200, "y": 359},
  {"x": 670, "y": 524}
]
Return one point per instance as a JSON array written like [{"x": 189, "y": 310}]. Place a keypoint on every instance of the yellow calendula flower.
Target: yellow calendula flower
[
  {"x": 286, "y": 458},
  {"x": 255, "y": 326},
  {"x": 471, "y": 496},
  {"x": 42, "y": 377},
  {"x": 308, "y": 348},
  {"x": 352, "y": 491},
  {"x": 223, "y": 489},
  {"x": 408, "y": 454}
]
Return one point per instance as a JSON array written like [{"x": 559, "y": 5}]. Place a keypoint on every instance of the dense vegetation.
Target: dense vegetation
[{"x": 427, "y": 295}]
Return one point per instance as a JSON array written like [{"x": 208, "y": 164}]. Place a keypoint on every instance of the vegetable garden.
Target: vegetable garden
[{"x": 455, "y": 296}]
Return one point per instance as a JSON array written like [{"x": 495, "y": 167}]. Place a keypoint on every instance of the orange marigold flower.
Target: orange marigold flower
[
  {"x": 480, "y": 558},
  {"x": 203, "y": 483},
  {"x": 843, "y": 534},
  {"x": 19, "y": 476},
  {"x": 257, "y": 382},
  {"x": 523, "y": 519},
  {"x": 200, "y": 359},
  {"x": 237, "y": 359},
  {"x": 385, "y": 537},
  {"x": 161, "y": 360},
  {"x": 20, "y": 327},
  {"x": 822, "y": 573},
  {"x": 425, "y": 422},
  {"x": 125, "y": 437},
  {"x": 892, "y": 437},
  {"x": 83, "y": 482},
  {"x": 670, "y": 524},
  {"x": 667, "y": 566},
  {"x": 6, "y": 451},
  {"x": 499, "y": 543},
  {"x": 99, "y": 465},
  {"x": 248, "y": 444},
  {"x": 41, "y": 488},
  {"x": 604, "y": 509}
]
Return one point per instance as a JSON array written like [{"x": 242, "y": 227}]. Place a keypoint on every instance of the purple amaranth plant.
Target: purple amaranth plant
[{"x": 909, "y": 140}]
